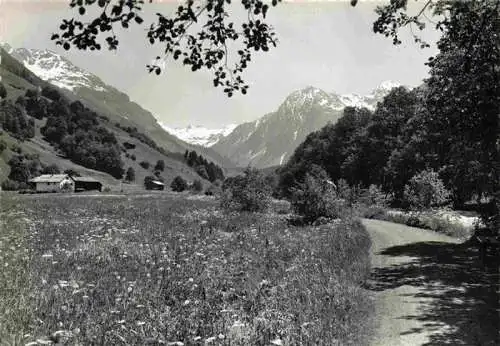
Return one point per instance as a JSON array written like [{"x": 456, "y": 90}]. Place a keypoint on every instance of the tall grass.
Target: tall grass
[
  {"x": 155, "y": 270},
  {"x": 15, "y": 281}
]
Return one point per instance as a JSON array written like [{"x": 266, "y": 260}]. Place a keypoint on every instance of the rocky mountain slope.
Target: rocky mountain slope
[
  {"x": 272, "y": 139},
  {"x": 104, "y": 99}
]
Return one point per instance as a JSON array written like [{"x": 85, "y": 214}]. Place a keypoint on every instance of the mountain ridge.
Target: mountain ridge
[{"x": 271, "y": 139}]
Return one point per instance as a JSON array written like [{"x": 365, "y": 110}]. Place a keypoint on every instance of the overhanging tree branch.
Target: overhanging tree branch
[{"x": 202, "y": 48}]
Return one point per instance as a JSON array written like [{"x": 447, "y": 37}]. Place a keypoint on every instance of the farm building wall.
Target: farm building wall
[
  {"x": 88, "y": 186},
  {"x": 47, "y": 187},
  {"x": 64, "y": 185}
]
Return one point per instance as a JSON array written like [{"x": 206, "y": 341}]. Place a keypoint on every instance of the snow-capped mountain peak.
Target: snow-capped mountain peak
[
  {"x": 369, "y": 101},
  {"x": 55, "y": 69},
  {"x": 388, "y": 85},
  {"x": 200, "y": 135},
  {"x": 299, "y": 100},
  {"x": 272, "y": 139}
]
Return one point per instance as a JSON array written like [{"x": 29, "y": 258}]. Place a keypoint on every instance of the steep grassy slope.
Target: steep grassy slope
[{"x": 17, "y": 80}]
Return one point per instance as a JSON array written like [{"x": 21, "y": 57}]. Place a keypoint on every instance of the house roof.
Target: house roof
[
  {"x": 86, "y": 179},
  {"x": 49, "y": 178}
]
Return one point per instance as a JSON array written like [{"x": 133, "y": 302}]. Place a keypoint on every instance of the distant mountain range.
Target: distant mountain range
[
  {"x": 272, "y": 139},
  {"x": 199, "y": 135}
]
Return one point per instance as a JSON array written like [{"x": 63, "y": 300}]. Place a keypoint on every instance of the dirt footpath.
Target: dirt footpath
[{"x": 430, "y": 290}]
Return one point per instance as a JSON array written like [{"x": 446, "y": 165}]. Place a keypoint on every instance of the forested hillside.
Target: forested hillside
[
  {"x": 80, "y": 85},
  {"x": 43, "y": 130}
]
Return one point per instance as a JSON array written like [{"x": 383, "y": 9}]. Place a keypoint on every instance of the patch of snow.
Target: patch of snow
[
  {"x": 354, "y": 100},
  {"x": 282, "y": 158},
  {"x": 257, "y": 123},
  {"x": 388, "y": 85},
  {"x": 260, "y": 152}
]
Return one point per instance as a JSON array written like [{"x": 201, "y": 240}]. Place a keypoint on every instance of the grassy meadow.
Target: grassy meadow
[{"x": 166, "y": 269}]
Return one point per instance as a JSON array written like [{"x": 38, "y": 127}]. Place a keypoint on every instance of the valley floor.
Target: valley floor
[{"x": 430, "y": 289}]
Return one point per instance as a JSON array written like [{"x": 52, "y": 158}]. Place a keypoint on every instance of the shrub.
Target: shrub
[
  {"x": 51, "y": 93},
  {"x": 3, "y": 145},
  {"x": 202, "y": 172},
  {"x": 425, "y": 190},
  {"x": 132, "y": 157},
  {"x": 213, "y": 190},
  {"x": 71, "y": 172},
  {"x": 247, "y": 192},
  {"x": 10, "y": 185},
  {"x": 51, "y": 169},
  {"x": 316, "y": 197},
  {"x": 128, "y": 145},
  {"x": 375, "y": 196},
  {"x": 179, "y": 184},
  {"x": 372, "y": 203},
  {"x": 16, "y": 148},
  {"x": 130, "y": 175},
  {"x": 32, "y": 93},
  {"x": 3, "y": 91},
  {"x": 144, "y": 164},
  {"x": 160, "y": 166},
  {"x": 148, "y": 182},
  {"x": 196, "y": 186}
]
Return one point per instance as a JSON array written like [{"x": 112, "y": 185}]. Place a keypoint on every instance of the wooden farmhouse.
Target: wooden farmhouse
[
  {"x": 64, "y": 183},
  {"x": 52, "y": 183}
]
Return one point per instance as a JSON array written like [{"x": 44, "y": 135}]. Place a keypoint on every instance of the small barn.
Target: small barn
[
  {"x": 87, "y": 184},
  {"x": 154, "y": 185},
  {"x": 52, "y": 183}
]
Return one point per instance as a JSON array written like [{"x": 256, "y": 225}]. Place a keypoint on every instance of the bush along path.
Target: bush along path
[{"x": 429, "y": 289}]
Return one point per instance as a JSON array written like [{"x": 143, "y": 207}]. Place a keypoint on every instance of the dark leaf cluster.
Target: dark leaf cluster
[
  {"x": 249, "y": 191},
  {"x": 179, "y": 184}
]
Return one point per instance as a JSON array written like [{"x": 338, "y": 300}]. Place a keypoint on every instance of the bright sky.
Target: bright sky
[{"x": 326, "y": 44}]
